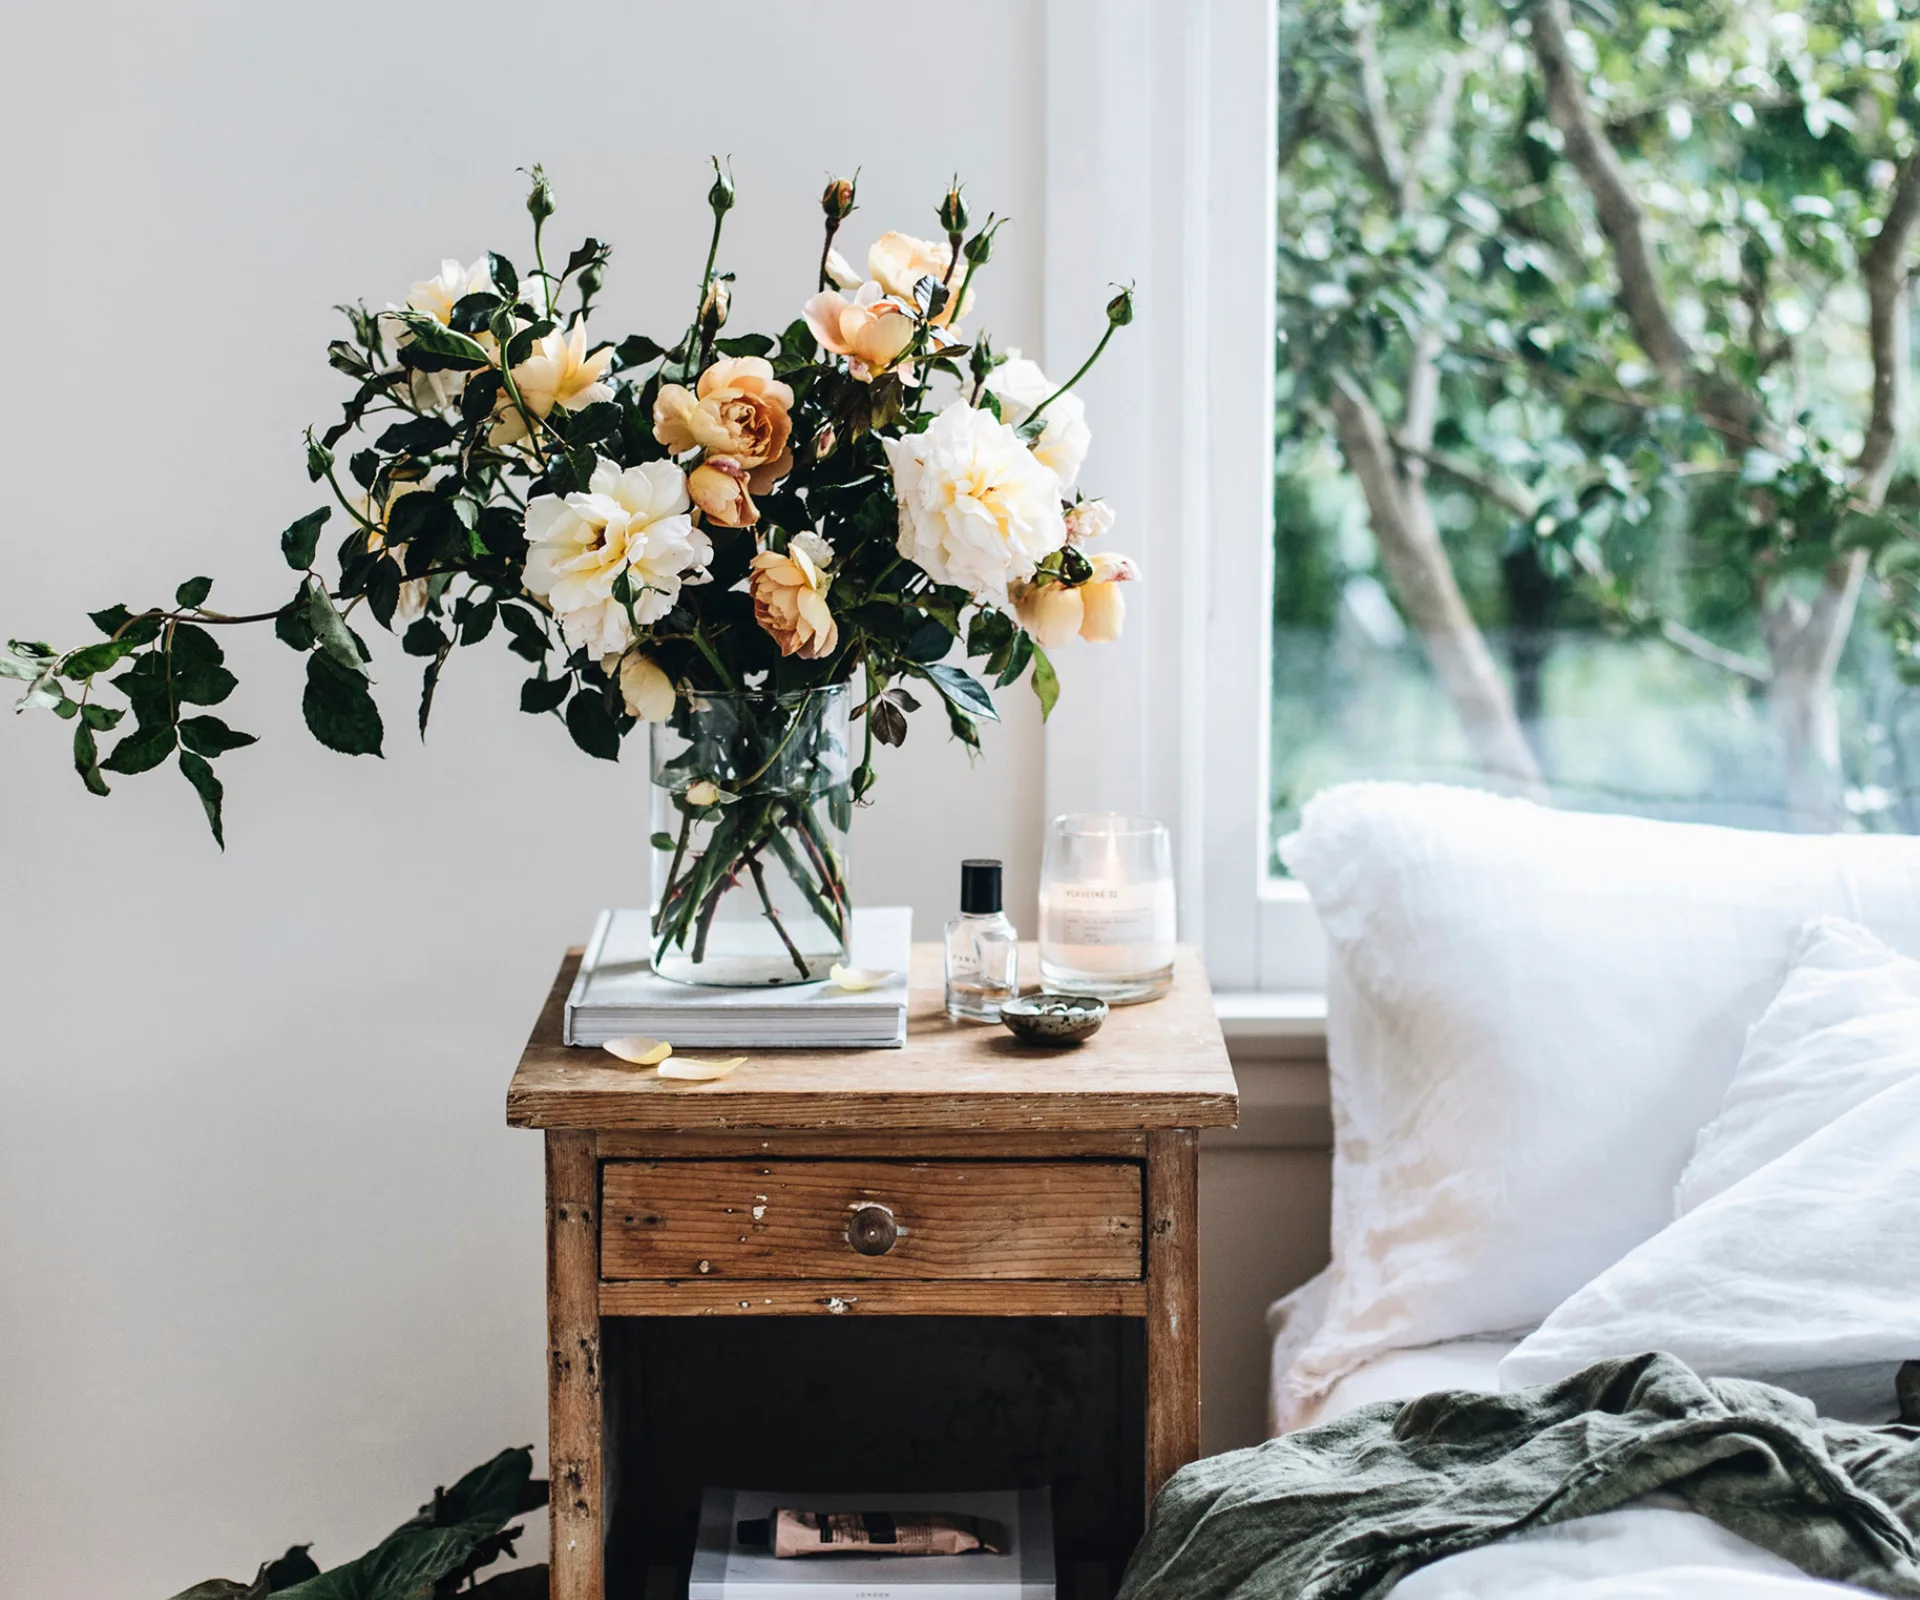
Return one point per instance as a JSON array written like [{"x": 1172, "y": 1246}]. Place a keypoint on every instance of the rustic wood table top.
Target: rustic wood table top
[{"x": 1158, "y": 1065}]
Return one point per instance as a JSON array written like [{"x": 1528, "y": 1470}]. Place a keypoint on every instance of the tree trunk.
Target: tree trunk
[{"x": 1428, "y": 593}]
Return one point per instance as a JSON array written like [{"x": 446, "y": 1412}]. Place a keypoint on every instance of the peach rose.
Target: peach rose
[
  {"x": 1096, "y": 610},
  {"x": 790, "y": 597},
  {"x": 719, "y": 488},
  {"x": 898, "y": 261},
  {"x": 741, "y": 411},
  {"x": 870, "y": 330}
]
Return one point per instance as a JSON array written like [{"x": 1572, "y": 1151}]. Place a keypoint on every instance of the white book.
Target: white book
[
  {"x": 617, "y": 993},
  {"x": 724, "y": 1570}
]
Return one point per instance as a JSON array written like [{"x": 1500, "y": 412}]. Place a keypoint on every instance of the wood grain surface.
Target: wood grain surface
[
  {"x": 872, "y": 1297},
  {"x": 573, "y": 1368},
  {"x": 1173, "y": 1304},
  {"x": 898, "y": 1144},
  {"x": 1159, "y": 1065},
  {"x": 792, "y": 1219}
]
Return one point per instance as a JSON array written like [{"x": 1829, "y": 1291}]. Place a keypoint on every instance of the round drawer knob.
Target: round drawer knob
[{"x": 871, "y": 1229}]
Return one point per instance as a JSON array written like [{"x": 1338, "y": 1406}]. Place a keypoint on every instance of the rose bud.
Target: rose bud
[
  {"x": 837, "y": 202},
  {"x": 720, "y": 196},
  {"x": 1120, "y": 308},
  {"x": 540, "y": 197},
  {"x": 714, "y": 309},
  {"x": 953, "y": 210}
]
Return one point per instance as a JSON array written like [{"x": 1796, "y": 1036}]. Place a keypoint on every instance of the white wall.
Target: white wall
[{"x": 269, "y": 1258}]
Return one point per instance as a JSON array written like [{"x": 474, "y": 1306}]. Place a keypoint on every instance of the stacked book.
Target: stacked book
[
  {"x": 618, "y": 994},
  {"x": 727, "y": 1567}
]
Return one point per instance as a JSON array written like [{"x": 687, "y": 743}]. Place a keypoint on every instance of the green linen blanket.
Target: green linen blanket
[{"x": 1342, "y": 1511}]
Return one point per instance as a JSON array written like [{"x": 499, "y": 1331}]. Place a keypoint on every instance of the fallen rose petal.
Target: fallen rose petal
[
  {"x": 699, "y": 1071},
  {"x": 856, "y": 979},
  {"x": 641, "y": 1052}
]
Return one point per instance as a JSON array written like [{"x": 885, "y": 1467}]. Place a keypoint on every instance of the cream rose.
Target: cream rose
[
  {"x": 559, "y": 372},
  {"x": 1019, "y": 385},
  {"x": 741, "y": 411},
  {"x": 898, "y": 261},
  {"x": 976, "y": 508},
  {"x": 413, "y": 591},
  {"x": 1088, "y": 520},
  {"x": 790, "y": 597},
  {"x": 436, "y": 297},
  {"x": 870, "y": 330},
  {"x": 648, "y": 692},
  {"x": 633, "y": 521}
]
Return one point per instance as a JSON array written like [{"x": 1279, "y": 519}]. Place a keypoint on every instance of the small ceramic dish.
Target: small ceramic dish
[{"x": 1053, "y": 1019}]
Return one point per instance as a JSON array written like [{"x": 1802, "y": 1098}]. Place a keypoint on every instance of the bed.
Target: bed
[{"x": 1603, "y": 1087}]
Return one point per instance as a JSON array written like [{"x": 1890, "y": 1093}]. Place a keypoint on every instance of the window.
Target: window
[{"x": 1593, "y": 343}]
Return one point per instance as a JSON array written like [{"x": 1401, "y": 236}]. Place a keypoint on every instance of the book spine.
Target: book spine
[{"x": 589, "y": 959}]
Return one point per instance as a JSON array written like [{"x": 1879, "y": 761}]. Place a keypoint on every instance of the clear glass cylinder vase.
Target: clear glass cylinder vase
[{"x": 752, "y": 800}]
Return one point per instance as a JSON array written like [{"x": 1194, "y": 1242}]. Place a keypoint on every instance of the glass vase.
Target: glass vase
[{"x": 752, "y": 800}]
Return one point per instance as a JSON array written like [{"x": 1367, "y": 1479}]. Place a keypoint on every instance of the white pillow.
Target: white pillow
[
  {"x": 1845, "y": 1025},
  {"x": 1803, "y": 1268},
  {"x": 1531, "y": 1015}
]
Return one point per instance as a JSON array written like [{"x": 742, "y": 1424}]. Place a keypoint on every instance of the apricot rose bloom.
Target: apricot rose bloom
[
  {"x": 633, "y": 521},
  {"x": 790, "y": 597},
  {"x": 741, "y": 411},
  {"x": 898, "y": 261},
  {"x": 870, "y": 330},
  {"x": 559, "y": 372},
  {"x": 1095, "y": 610},
  {"x": 976, "y": 509},
  {"x": 719, "y": 488}
]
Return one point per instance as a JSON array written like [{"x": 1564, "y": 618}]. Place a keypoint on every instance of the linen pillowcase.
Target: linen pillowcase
[
  {"x": 1803, "y": 1270},
  {"x": 1531, "y": 1014},
  {"x": 1845, "y": 1025}
]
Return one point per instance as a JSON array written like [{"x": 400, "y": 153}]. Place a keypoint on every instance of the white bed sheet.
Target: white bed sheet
[{"x": 1648, "y": 1550}]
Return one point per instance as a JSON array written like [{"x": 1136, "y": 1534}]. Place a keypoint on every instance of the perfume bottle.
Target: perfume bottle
[{"x": 982, "y": 950}]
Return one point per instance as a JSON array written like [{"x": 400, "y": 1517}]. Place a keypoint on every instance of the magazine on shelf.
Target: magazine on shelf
[{"x": 725, "y": 1569}]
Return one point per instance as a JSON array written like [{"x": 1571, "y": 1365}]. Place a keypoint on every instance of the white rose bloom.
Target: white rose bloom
[
  {"x": 813, "y": 547},
  {"x": 634, "y": 521},
  {"x": 1088, "y": 521},
  {"x": 436, "y": 298},
  {"x": 1019, "y": 385},
  {"x": 976, "y": 508}
]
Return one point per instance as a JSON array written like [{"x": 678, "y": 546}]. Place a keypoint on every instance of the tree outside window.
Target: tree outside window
[{"x": 1595, "y": 448}]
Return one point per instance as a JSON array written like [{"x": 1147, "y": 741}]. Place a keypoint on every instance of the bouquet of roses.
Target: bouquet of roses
[{"x": 659, "y": 528}]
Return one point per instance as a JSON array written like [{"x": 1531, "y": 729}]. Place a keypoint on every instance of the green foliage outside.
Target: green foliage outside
[{"x": 1595, "y": 454}]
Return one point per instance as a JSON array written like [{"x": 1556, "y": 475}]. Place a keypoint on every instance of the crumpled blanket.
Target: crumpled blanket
[{"x": 1347, "y": 1509}]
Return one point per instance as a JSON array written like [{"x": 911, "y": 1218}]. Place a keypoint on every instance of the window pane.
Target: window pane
[{"x": 1579, "y": 491}]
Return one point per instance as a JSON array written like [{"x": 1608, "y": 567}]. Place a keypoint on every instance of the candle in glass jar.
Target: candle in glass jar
[{"x": 1107, "y": 923}]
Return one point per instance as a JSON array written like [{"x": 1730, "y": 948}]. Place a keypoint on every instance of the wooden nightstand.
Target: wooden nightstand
[{"x": 966, "y": 1263}]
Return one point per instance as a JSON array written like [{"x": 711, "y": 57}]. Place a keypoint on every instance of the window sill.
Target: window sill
[
  {"x": 1259, "y": 1019},
  {"x": 1277, "y": 1041}
]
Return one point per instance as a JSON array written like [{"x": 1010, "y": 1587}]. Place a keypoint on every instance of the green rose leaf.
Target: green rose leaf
[
  {"x": 429, "y": 682},
  {"x": 101, "y": 718},
  {"x": 85, "y": 662},
  {"x": 635, "y": 350},
  {"x": 592, "y": 725},
  {"x": 418, "y": 436},
  {"x": 209, "y": 736},
  {"x": 192, "y": 593},
  {"x": 199, "y": 773},
  {"x": 195, "y": 666},
  {"x": 963, "y": 692},
  {"x": 330, "y": 630},
  {"x": 522, "y": 343},
  {"x": 541, "y": 695},
  {"x": 529, "y": 638},
  {"x": 86, "y": 758},
  {"x": 423, "y": 637},
  {"x": 291, "y": 626},
  {"x": 383, "y": 592},
  {"x": 1046, "y": 682},
  {"x": 302, "y": 538},
  {"x": 931, "y": 640},
  {"x": 661, "y": 841},
  {"x": 1019, "y": 653},
  {"x": 747, "y": 344},
  {"x": 319, "y": 459},
  {"x": 505, "y": 278},
  {"x": 583, "y": 255},
  {"x": 339, "y": 707},
  {"x": 438, "y": 349},
  {"x": 142, "y": 750},
  {"x": 479, "y": 622}
]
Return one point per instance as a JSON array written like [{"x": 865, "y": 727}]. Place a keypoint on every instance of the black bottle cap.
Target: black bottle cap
[{"x": 979, "y": 888}]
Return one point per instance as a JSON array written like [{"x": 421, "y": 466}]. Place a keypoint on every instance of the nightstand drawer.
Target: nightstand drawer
[{"x": 843, "y": 1220}]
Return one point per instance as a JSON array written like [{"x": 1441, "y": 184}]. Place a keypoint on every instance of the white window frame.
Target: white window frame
[{"x": 1161, "y": 120}]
